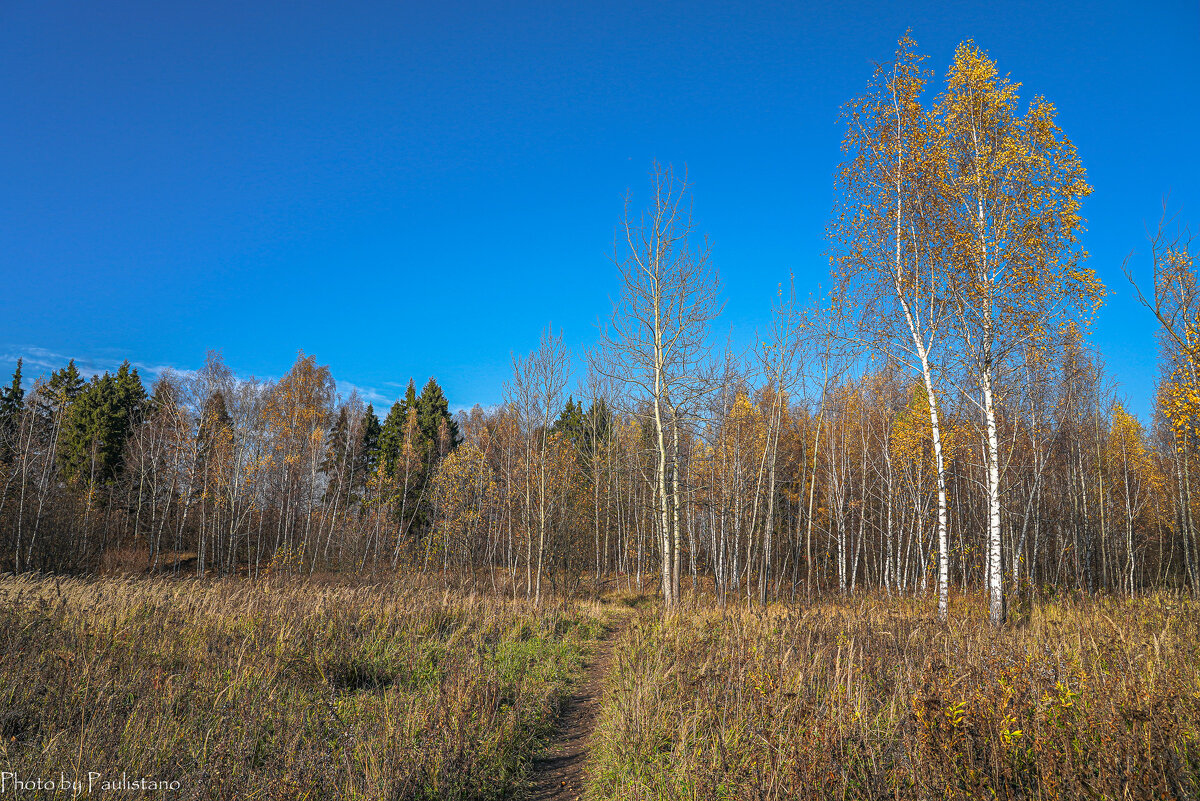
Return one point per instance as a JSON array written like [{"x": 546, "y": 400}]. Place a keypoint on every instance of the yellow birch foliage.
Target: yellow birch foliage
[{"x": 1013, "y": 185}]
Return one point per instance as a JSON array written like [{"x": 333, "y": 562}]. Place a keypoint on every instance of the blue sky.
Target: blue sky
[{"x": 414, "y": 189}]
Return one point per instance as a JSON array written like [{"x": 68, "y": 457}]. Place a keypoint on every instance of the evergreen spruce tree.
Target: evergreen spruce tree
[
  {"x": 391, "y": 438},
  {"x": 12, "y": 401},
  {"x": 163, "y": 398},
  {"x": 61, "y": 391},
  {"x": 131, "y": 399},
  {"x": 99, "y": 423},
  {"x": 410, "y": 402},
  {"x": 410, "y": 395},
  {"x": 335, "y": 464},
  {"x": 432, "y": 411},
  {"x": 392, "y": 435},
  {"x": 81, "y": 444},
  {"x": 571, "y": 424},
  {"x": 12, "y": 397},
  {"x": 598, "y": 424},
  {"x": 368, "y": 452}
]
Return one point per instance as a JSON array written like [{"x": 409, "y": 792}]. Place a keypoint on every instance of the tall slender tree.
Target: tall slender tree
[
  {"x": 657, "y": 337},
  {"x": 892, "y": 261},
  {"x": 1013, "y": 186}
]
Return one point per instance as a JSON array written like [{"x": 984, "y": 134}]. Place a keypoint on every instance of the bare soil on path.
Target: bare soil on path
[{"x": 558, "y": 773}]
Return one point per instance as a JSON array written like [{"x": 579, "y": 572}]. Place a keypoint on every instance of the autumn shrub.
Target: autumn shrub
[
  {"x": 877, "y": 699},
  {"x": 281, "y": 689}
]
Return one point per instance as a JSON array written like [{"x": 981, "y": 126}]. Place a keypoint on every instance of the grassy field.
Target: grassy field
[
  {"x": 303, "y": 689},
  {"x": 875, "y": 699},
  {"x": 284, "y": 690}
]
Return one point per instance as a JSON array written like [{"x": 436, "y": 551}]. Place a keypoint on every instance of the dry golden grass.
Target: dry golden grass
[
  {"x": 282, "y": 689},
  {"x": 333, "y": 689},
  {"x": 875, "y": 699}
]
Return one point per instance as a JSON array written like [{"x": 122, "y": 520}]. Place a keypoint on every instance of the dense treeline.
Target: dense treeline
[
  {"x": 237, "y": 475},
  {"x": 233, "y": 474},
  {"x": 939, "y": 422}
]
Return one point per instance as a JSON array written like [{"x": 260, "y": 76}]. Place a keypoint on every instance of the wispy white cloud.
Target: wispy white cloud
[
  {"x": 375, "y": 397},
  {"x": 41, "y": 362}
]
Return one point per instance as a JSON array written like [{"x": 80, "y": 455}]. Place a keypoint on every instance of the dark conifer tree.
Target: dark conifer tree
[
  {"x": 61, "y": 391},
  {"x": 163, "y": 398},
  {"x": 368, "y": 452},
  {"x": 98, "y": 424},
  {"x": 598, "y": 424},
  {"x": 571, "y": 424},
  {"x": 433, "y": 411},
  {"x": 12, "y": 401},
  {"x": 337, "y": 463},
  {"x": 131, "y": 399},
  {"x": 12, "y": 397},
  {"x": 391, "y": 438}
]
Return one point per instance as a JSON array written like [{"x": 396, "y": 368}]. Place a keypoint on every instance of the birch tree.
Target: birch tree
[
  {"x": 891, "y": 261},
  {"x": 658, "y": 333},
  {"x": 1012, "y": 185},
  {"x": 536, "y": 391}
]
